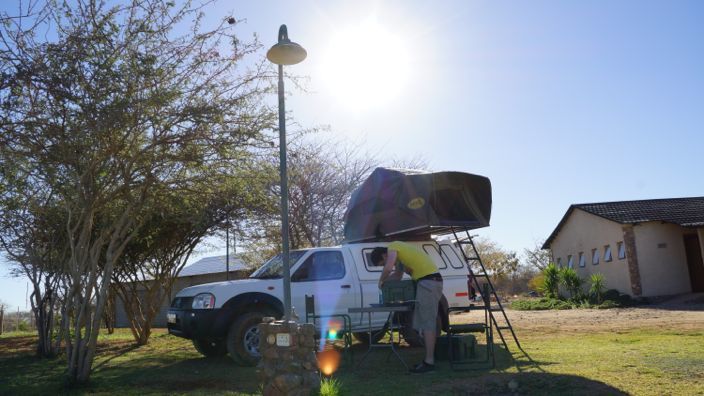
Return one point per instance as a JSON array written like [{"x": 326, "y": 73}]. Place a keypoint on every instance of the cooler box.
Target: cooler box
[
  {"x": 462, "y": 347},
  {"x": 398, "y": 291}
]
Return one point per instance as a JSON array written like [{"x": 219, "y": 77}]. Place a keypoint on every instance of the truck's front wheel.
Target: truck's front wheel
[{"x": 243, "y": 339}]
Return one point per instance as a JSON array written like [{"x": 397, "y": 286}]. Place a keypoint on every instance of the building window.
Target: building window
[
  {"x": 595, "y": 256},
  {"x": 582, "y": 260},
  {"x": 621, "y": 250},
  {"x": 570, "y": 262},
  {"x": 607, "y": 253},
  {"x": 559, "y": 262}
]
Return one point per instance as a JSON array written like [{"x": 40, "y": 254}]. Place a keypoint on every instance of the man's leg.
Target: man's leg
[{"x": 429, "y": 338}]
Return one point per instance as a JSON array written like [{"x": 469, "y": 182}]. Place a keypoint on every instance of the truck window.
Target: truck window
[
  {"x": 367, "y": 254},
  {"x": 325, "y": 265},
  {"x": 451, "y": 255},
  {"x": 433, "y": 252}
]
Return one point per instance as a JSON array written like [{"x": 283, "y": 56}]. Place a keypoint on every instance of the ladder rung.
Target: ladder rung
[
  {"x": 503, "y": 327},
  {"x": 466, "y": 328}
]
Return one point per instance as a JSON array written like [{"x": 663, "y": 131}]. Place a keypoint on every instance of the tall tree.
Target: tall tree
[
  {"x": 322, "y": 176},
  {"x": 109, "y": 104},
  {"x": 32, "y": 236},
  {"x": 175, "y": 224},
  {"x": 537, "y": 257},
  {"x": 499, "y": 262}
]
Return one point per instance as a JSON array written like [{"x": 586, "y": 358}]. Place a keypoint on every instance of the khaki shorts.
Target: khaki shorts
[{"x": 428, "y": 295}]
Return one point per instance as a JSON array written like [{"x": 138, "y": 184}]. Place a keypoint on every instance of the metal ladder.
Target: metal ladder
[{"x": 476, "y": 259}]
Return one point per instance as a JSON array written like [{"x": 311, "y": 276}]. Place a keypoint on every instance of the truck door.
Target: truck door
[{"x": 324, "y": 275}]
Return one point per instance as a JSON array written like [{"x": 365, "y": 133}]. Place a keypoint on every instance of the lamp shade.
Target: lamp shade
[{"x": 286, "y": 52}]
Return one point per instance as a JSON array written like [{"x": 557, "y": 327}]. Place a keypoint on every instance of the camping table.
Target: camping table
[{"x": 392, "y": 311}]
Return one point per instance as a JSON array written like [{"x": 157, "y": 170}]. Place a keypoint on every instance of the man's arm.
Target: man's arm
[{"x": 389, "y": 272}]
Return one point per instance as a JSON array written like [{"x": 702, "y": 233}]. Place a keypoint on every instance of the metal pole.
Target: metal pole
[
  {"x": 227, "y": 249},
  {"x": 284, "y": 198}
]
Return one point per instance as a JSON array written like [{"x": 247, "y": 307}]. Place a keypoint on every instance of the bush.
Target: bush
[
  {"x": 607, "y": 304},
  {"x": 551, "y": 281},
  {"x": 598, "y": 285},
  {"x": 611, "y": 294},
  {"x": 542, "y": 304},
  {"x": 572, "y": 282},
  {"x": 329, "y": 387},
  {"x": 537, "y": 283}
]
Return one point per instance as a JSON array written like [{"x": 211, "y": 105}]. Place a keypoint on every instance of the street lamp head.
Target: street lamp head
[{"x": 286, "y": 52}]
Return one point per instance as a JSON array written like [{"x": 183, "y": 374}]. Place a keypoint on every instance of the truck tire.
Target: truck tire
[
  {"x": 243, "y": 339},
  {"x": 210, "y": 348},
  {"x": 363, "y": 336},
  {"x": 411, "y": 335}
]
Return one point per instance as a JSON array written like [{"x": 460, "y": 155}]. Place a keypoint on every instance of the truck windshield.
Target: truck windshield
[{"x": 272, "y": 269}]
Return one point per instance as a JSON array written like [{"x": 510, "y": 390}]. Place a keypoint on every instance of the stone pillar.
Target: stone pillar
[
  {"x": 288, "y": 365},
  {"x": 629, "y": 240}
]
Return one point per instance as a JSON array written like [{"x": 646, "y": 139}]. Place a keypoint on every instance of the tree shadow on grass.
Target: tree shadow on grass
[
  {"x": 12, "y": 346},
  {"x": 170, "y": 375},
  {"x": 114, "y": 351},
  {"x": 523, "y": 384}
]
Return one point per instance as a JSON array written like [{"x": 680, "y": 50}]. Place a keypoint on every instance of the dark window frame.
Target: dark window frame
[
  {"x": 460, "y": 259},
  {"x": 309, "y": 259},
  {"x": 438, "y": 251}
]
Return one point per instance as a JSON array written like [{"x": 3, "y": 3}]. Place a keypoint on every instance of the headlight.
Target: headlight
[{"x": 203, "y": 301}]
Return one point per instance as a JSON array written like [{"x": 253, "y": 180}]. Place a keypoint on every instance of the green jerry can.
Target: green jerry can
[{"x": 462, "y": 347}]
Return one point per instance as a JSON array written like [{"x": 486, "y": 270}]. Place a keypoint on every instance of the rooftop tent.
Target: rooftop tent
[{"x": 400, "y": 204}]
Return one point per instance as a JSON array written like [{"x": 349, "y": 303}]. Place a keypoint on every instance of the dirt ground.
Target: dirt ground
[{"x": 683, "y": 312}]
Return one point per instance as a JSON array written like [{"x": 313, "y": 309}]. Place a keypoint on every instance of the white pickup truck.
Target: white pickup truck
[{"x": 222, "y": 317}]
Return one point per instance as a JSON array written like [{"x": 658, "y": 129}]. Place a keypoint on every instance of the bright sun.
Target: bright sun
[{"x": 365, "y": 66}]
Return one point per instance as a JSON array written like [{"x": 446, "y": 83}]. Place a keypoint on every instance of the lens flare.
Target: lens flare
[{"x": 328, "y": 361}]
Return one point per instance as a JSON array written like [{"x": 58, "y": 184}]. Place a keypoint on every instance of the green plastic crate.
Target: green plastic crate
[
  {"x": 396, "y": 291},
  {"x": 462, "y": 347}
]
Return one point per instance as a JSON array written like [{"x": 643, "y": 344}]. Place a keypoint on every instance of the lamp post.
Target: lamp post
[{"x": 284, "y": 52}]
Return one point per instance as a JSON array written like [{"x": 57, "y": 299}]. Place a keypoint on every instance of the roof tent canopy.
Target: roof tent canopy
[{"x": 401, "y": 204}]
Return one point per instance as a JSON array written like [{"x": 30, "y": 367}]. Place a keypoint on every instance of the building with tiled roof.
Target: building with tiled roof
[{"x": 643, "y": 248}]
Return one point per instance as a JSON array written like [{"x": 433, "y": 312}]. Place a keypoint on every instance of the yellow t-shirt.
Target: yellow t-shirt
[{"x": 414, "y": 259}]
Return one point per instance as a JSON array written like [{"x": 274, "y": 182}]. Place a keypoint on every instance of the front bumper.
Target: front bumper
[{"x": 197, "y": 323}]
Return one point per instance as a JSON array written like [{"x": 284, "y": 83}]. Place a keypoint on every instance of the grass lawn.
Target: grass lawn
[{"x": 640, "y": 361}]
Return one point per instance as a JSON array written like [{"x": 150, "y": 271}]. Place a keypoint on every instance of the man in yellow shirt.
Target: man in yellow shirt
[{"x": 400, "y": 257}]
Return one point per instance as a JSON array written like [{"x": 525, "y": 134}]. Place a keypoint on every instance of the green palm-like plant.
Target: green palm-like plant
[
  {"x": 551, "y": 281},
  {"x": 572, "y": 282},
  {"x": 598, "y": 285}
]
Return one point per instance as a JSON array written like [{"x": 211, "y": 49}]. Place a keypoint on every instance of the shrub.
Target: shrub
[
  {"x": 611, "y": 294},
  {"x": 537, "y": 282},
  {"x": 542, "y": 304},
  {"x": 607, "y": 304},
  {"x": 572, "y": 282},
  {"x": 596, "y": 290},
  {"x": 330, "y": 387},
  {"x": 551, "y": 281}
]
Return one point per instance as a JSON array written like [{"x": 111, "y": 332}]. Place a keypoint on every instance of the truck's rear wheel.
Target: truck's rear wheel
[
  {"x": 210, "y": 348},
  {"x": 243, "y": 339},
  {"x": 412, "y": 336}
]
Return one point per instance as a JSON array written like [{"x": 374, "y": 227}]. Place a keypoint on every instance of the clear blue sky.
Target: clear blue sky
[{"x": 557, "y": 102}]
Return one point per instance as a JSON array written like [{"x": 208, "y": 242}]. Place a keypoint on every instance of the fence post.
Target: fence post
[{"x": 2, "y": 316}]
